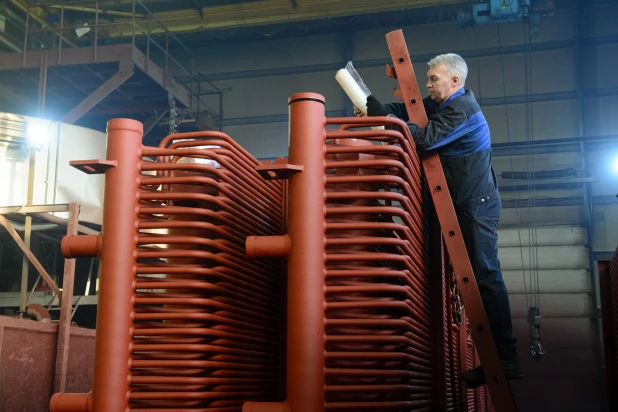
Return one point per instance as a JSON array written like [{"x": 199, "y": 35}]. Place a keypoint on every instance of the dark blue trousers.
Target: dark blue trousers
[{"x": 478, "y": 219}]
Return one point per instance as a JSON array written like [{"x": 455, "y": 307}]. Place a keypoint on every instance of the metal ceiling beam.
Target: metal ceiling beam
[
  {"x": 101, "y": 11},
  {"x": 124, "y": 72},
  {"x": 58, "y": 78},
  {"x": 81, "y": 55},
  {"x": 271, "y": 12},
  {"x": 105, "y": 54}
]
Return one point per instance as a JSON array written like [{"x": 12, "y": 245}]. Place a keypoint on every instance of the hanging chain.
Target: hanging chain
[{"x": 456, "y": 301}]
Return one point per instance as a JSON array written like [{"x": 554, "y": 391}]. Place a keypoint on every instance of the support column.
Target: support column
[
  {"x": 305, "y": 247},
  {"x": 118, "y": 268},
  {"x": 306, "y": 260},
  {"x": 66, "y": 306},
  {"x": 113, "y": 345},
  {"x": 42, "y": 86}
]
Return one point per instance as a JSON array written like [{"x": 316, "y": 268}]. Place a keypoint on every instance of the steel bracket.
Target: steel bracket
[
  {"x": 93, "y": 167},
  {"x": 278, "y": 171}
]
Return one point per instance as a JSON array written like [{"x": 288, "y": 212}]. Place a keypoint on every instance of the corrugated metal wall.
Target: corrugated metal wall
[
  {"x": 568, "y": 371},
  {"x": 255, "y": 113}
]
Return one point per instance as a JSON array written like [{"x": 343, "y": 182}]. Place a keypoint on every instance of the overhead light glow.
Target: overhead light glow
[
  {"x": 37, "y": 135},
  {"x": 615, "y": 164}
]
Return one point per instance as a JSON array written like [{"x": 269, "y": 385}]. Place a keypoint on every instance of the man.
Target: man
[{"x": 459, "y": 131}]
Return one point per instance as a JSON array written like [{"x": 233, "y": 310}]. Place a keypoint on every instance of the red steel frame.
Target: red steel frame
[{"x": 488, "y": 354}]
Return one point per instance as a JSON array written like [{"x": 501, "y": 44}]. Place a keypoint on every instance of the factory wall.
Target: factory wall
[{"x": 554, "y": 255}]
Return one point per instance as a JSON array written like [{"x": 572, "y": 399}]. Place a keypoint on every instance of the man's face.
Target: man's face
[{"x": 440, "y": 84}]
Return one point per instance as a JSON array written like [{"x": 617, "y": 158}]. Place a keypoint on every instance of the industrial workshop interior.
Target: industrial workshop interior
[{"x": 308, "y": 205}]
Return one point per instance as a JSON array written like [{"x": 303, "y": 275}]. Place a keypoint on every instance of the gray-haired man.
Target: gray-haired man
[{"x": 457, "y": 129}]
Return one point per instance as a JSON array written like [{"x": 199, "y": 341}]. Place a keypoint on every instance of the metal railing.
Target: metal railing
[{"x": 173, "y": 55}]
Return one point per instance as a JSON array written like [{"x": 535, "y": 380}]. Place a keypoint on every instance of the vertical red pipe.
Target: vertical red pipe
[
  {"x": 305, "y": 245},
  {"x": 118, "y": 268},
  {"x": 306, "y": 266}
]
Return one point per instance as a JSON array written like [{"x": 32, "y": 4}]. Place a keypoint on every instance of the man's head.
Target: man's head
[{"x": 447, "y": 74}]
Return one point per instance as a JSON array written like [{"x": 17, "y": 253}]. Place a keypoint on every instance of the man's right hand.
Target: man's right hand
[
  {"x": 358, "y": 112},
  {"x": 375, "y": 108}
]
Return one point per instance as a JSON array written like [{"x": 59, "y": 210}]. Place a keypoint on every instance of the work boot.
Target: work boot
[{"x": 475, "y": 377}]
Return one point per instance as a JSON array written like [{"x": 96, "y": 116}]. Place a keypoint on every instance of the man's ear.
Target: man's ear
[{"x": 455, "y": 80}]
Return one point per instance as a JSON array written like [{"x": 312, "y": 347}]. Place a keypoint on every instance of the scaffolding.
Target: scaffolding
[{"x": 164, "y": 59}]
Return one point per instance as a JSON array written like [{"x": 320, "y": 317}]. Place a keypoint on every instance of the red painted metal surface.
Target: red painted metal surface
[
  {"x": 27, "y": 359},
  {"x": 185, "y": 321},
  {"x": 378, "y": 328},
  {"x": 608, "y": 286},
  {"x": 199, "y": 313},
  {"x": 200, "y": 324}
]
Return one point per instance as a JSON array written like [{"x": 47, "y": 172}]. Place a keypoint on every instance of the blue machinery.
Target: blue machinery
[{"x": 501, "y": 11}]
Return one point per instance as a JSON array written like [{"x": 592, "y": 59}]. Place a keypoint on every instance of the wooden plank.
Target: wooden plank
[
  {"x": 24, "y": 263},
  {"x": 64, "y": 330}
]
